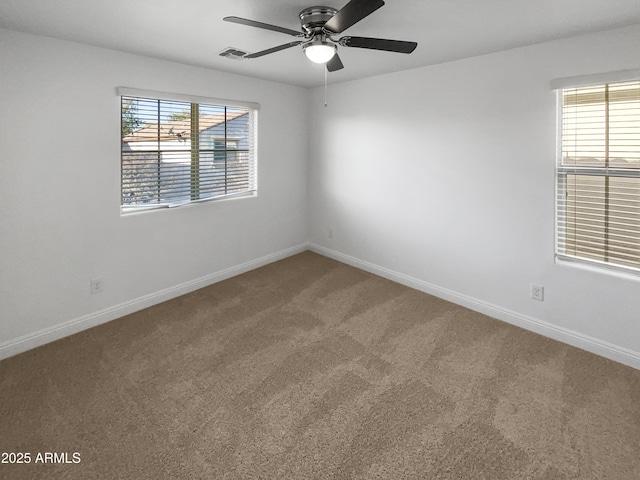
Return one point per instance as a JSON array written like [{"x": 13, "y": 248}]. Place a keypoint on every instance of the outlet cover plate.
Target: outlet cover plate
[{"x": 537, "y": 292}]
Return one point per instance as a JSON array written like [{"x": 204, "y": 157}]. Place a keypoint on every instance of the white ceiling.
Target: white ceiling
[{"x": 192, "y": 31}]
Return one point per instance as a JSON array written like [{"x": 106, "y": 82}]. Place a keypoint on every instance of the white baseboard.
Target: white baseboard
[
  {"x": 570, "y": 337},
  {"x": 50, "y": 334},
  {"x": 599, "y": 347}
]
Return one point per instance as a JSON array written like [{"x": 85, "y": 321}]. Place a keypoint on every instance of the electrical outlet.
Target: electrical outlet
[
  {"x": 97, "y": 285},
  {"x": 537, "y": 292}
]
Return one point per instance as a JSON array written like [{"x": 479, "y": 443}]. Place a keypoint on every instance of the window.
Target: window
[
  {"x": 598, "y": 175},
  {"x": 177, "y": 151}
]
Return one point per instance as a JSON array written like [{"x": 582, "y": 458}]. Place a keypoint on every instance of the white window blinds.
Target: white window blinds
[
  {"x": 598, "y": 175},
  {"x": 176, "y": 152}
]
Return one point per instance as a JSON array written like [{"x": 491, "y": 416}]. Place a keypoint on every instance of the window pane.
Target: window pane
[
  {"x": 602, "y": 219},
  {"x": 601, "y": 126},
  {"x": 140, "y": 177},
  {"x": 624, "y": 125},
  {"x": 598, "y": 174},
  {"x": 583, "y": 127},
  {"x": 176, "y": 152}
]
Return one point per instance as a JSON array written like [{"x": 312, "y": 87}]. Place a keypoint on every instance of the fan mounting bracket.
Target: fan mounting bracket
[{"x": 312, "y": 19}]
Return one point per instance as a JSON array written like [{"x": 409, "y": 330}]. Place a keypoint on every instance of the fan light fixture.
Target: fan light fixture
[{"x": 319, "y": 51}]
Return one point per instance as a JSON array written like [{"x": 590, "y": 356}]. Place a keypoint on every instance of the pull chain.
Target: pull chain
[{"x": 325, "y": 87}]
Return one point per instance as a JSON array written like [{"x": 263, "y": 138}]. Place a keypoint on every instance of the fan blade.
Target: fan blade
[
  {"x": 335, "y": 63},
  {"x": 272, "y": 50},
  {"x": 379, "y": 44},
  {"x": 266, "y": 26},
  {"x": 351, "y": 13}
]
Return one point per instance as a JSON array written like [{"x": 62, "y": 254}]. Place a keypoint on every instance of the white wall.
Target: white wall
[
  {"x": 440, "y": 177},
  {"x": 59, "y": 190},
  {"x": 443, "y": 177}
]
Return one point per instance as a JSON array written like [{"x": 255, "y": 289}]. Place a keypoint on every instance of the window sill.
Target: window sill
[
  {"x": 595, "y": 267},
  {"x": 138, "y": 209}
]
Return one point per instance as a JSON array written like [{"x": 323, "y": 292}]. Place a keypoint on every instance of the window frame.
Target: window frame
[
  {"x": 251, "y": 149},
  {"x": 562, "y": 171}
]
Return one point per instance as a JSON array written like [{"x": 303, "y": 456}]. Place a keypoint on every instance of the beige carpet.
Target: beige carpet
[{"x": 308, "y": 368}]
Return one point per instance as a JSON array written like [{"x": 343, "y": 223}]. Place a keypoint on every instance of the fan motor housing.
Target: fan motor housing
[{"x": 313, "y": 19}]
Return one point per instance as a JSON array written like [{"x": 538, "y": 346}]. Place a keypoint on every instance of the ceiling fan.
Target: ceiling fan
[{"x": 320, "y": 24}]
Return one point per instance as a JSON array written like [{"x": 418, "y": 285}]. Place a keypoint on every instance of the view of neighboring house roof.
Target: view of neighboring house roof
[{"x": 179, "y": 129}]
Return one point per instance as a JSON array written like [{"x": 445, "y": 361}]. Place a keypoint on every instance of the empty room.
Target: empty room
[{"x": 359, "y": 239}]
